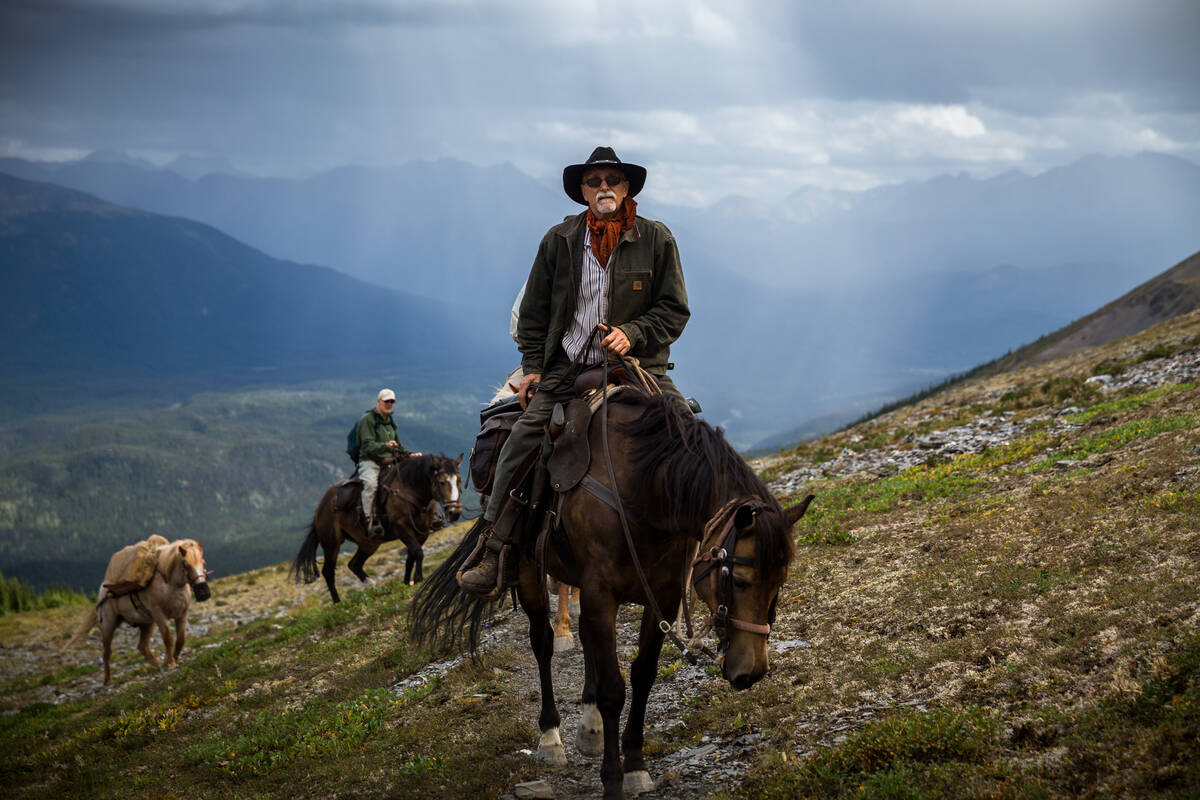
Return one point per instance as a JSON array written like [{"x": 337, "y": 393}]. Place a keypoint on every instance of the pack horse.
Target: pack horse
[{"x": 170, "y": 572}]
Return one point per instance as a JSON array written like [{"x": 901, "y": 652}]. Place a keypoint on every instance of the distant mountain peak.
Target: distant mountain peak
[{"x": 112, "y": 156}]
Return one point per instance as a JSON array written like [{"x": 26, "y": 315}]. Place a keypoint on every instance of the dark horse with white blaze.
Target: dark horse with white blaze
[
  {"x": 678, "y": 482},
  {"x": 410, "y": 490}
]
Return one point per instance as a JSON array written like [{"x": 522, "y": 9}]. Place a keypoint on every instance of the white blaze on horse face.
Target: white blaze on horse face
[{"x": 454, "y": 488}]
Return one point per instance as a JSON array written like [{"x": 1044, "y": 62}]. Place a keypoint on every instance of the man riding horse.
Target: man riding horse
[
  {"x": 605, "y": 268},
  {"x": 377, "y": 440}
]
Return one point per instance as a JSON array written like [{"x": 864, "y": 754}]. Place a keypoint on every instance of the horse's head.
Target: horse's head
[
  {"x": 447, "y": 486},
  {"x": 742, "y": 563},
  {"x": 191, "y": 555}
]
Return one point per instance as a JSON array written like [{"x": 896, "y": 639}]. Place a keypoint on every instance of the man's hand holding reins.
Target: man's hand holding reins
[{"x": 616, "y": 340}]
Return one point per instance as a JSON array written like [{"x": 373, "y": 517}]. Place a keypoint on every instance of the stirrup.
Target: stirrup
[{"x": 503, "y": 553}]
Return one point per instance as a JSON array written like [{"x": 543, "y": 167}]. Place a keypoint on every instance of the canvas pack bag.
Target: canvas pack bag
[{"x": 132, "y": 568}]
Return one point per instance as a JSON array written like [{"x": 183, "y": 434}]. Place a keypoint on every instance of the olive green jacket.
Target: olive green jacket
[
  {"x": 647, "y": 298},
  {"x": 374, "y": 431}
]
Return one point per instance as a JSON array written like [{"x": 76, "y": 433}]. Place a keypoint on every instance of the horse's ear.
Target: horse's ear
[
  {"x": 458, "y": 460},
  {"x": 793, "y": 514}
]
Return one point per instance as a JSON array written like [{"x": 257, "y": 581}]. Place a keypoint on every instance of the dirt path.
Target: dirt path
[{"x": 690, "y": 773}]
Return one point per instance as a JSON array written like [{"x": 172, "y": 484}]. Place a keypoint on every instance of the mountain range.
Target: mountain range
[
  {"x": 821, "y": 306},
  {"x": 94, "y": 290}
]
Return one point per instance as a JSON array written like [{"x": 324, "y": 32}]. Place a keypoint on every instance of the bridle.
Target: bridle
[
  {"x": 716, "y": 560},
  {"x": 403, "y": 492}
]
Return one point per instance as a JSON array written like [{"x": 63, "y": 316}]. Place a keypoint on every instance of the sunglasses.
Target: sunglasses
[
  {"x": 612, "y": 180},
  {"x": 389, "y": 402}
]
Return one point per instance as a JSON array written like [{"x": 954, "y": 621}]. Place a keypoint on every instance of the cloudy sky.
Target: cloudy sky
[{"x": 755, "y": 98}]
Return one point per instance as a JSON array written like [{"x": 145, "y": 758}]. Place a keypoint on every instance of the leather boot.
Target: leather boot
[
  {"x": 487, "y": 579},
  {"x": 375, "y": 530}
]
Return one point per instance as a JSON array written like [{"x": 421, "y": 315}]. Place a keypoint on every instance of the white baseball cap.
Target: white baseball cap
[{"x": 386, "y": 394}]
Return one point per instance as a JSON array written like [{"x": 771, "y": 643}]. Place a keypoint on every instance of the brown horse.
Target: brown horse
[
  {"x": 167, "y": 597},
  {"x": 678, "y": 481},
  {"x": 410, "y": 491}
]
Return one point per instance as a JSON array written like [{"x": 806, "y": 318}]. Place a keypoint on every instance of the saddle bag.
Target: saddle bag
[
  {"x": 346, "y": 493},
  {"x": 497, "y": 424}
]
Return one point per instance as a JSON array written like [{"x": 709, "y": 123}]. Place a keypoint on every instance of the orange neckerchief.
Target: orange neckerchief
[{"x": 606, "y": 232}]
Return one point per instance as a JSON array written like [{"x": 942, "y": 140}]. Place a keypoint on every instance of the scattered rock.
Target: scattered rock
[{"x": 534, "y": 789}]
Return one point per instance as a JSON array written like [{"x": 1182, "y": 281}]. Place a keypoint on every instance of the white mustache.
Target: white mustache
[{"x": 606, "y": 196}]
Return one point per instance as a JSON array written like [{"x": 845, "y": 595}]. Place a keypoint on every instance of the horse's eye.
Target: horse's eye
[{"x": 740, "y": 583}]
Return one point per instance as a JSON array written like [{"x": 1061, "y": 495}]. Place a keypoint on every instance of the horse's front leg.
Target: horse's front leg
[
  {"x": 532, "y": 594},
  {"x": 641, "y": 677},
  {"x": 589, "y": 738},
  {"x": 164, "y": 629},
  {"x": 413, "y": 557},
  {"x": 598, "y": 614},
  {"x": 180, "y": 633},
  {"x": 143, "y": 645}
]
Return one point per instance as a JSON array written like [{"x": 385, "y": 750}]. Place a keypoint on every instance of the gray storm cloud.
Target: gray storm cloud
[{"x": 765, "y": 94}]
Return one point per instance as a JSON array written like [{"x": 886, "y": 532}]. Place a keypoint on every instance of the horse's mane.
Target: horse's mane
[
  {"x": 415, "y": 470},
  {"x": 693, "y": 470},
  {"x": 169, "y": 555}
]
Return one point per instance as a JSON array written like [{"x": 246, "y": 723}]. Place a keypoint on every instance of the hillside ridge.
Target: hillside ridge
[{"x": 1011, "y": 609}]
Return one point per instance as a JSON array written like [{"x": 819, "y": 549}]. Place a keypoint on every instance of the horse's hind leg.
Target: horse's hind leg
[
  {"x": 563, "y": 640},
  {"x": 641, "y": 677},
  {"x": 532, "y": 594},
  {"x": 329, "y": 567},
  {"x": 107, "y": 621}
]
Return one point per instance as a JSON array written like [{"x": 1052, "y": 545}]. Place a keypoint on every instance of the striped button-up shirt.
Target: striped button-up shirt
[{"x": 591, "y": 308}]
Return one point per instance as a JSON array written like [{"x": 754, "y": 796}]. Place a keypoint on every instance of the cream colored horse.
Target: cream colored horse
[{"x": 180, "y": 571}]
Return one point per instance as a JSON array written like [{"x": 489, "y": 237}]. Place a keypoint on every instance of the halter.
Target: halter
[{"x": 717, "y": 558}]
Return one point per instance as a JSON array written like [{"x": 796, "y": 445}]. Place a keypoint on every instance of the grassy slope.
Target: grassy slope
[
  {"x": 240, "y": 470},
  {"x": 989, "y": 626}
]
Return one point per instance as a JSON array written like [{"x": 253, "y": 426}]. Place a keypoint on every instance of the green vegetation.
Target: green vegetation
[
  {"x": 16, "y": 595},
  {"x": 241, "y": 471}
]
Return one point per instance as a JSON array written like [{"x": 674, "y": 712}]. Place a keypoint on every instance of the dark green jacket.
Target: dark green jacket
[
  {"x": 647, "y": 297},
  {"x": 374, "y": 432}
]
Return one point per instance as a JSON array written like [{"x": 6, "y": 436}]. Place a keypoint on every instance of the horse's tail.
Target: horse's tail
[
  {"x": 440, "y": 610},
  {"x": 85, "y": 627},
  {"x": 304, "y": 568}
]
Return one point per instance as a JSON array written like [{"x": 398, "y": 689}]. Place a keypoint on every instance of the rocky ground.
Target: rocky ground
[{"x": 1037, "y": 589}]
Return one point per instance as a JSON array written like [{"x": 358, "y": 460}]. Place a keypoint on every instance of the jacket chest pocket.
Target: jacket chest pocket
[{"x": 634, "y": 279}]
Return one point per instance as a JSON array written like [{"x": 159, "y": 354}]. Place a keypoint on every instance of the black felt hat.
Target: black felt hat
[{"x": 601, "y": 157}]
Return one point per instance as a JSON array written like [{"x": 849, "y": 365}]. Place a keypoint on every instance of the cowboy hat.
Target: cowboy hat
[{"x": 601, "y": 157}]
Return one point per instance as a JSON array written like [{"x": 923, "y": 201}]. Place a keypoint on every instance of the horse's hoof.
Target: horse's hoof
[
  {"x": 589, "y": 739},
  {"x": 550, "y": 749},
  {"x": 412, "y": 583},
  {"x": 638, "y": 782},
  {"x": 563, "y": 643}
]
